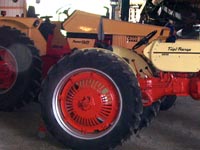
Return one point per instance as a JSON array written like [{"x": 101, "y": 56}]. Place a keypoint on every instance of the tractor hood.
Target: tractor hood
[{"x": 83, "y": 22}]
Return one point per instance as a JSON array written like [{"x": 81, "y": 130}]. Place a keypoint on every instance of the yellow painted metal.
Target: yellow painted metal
[
  {"x": 124, "y": 34},
  {"x": 89, "y": 23},
  {"x": 181, "y": 56},
  {"x": 136, "y": 62},
  {"x": 26, "y": 26},
  {"x": 82, "y": 22},
  {"x": 19, "y": 21}
]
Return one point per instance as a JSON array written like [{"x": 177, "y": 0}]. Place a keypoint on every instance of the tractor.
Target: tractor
[{"x": 101, "y": 82}]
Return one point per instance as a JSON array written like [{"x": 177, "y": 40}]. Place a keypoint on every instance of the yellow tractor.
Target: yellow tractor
[
  {"x": 107, "y": 79},
  {"x": 39, "y": 41}
]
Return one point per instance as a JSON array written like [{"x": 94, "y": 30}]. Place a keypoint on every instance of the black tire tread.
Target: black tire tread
[
  {"x": 167, "y": 102},
  {"x": 149, "y": 113},
  {"x": 32, "y": 91}
]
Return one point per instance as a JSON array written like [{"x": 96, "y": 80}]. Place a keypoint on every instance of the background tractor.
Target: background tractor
[{"x": 100, "y": 88}]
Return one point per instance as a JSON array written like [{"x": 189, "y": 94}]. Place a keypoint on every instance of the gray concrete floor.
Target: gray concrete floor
[{"x": 175, "y": 129}]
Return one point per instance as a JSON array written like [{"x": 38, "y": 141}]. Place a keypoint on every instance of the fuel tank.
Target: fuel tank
[{"x": 181, "y": 56}]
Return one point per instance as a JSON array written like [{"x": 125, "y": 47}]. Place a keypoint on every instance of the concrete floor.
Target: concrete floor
[{"x": 176, "y": 129}]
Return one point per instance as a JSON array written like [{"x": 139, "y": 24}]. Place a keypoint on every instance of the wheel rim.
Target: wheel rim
[
  {"x": 87, "y": 103},
  {"x": 8, "y": 69}
]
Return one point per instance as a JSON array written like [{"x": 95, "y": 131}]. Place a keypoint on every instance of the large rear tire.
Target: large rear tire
[
  {"x": 25, "y": 87},
  {"x": 91, "y": 100}
]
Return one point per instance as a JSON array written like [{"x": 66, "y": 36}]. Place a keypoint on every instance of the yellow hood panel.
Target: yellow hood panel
[{"x": 83, "y": 22}]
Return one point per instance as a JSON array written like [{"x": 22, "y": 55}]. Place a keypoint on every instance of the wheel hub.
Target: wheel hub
[
  {"x": 86, "y": 103},
  {"x": 89, "y": 102}
]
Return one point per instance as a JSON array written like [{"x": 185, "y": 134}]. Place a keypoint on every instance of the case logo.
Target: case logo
[{"x": 81, "y": 41}]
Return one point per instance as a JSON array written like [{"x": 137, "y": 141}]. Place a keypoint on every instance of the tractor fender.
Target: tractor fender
[
  {"x": 136, "y": 61},
  {"x": 29, "y": 26},
  {"x": 24, "y": 23}
]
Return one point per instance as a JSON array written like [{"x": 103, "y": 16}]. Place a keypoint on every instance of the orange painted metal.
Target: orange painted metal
[{"x": 89, "y": 102}]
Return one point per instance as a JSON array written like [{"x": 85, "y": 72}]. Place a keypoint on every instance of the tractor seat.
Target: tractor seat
[{"x": 31, "y": 12}]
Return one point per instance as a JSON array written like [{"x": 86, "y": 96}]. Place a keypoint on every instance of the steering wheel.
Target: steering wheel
[
  {"x": 144, "y": 40},
  {"x": 46, "y": 18}
]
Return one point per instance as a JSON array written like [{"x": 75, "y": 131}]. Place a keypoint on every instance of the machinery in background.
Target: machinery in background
[{"x": 184, "y": 13}]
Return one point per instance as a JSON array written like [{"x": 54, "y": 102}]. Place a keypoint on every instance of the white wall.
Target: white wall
[{"x": 11, "y": 8}]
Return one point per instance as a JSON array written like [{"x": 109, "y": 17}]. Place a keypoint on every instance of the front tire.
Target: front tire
[
  {"x": 167, "y": 102},
  {"x": 149, "y": 113},
  {"x": 91, "y": 100}
]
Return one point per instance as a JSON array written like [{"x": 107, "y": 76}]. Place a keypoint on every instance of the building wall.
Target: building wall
[{"x": 13, "y": 8}]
